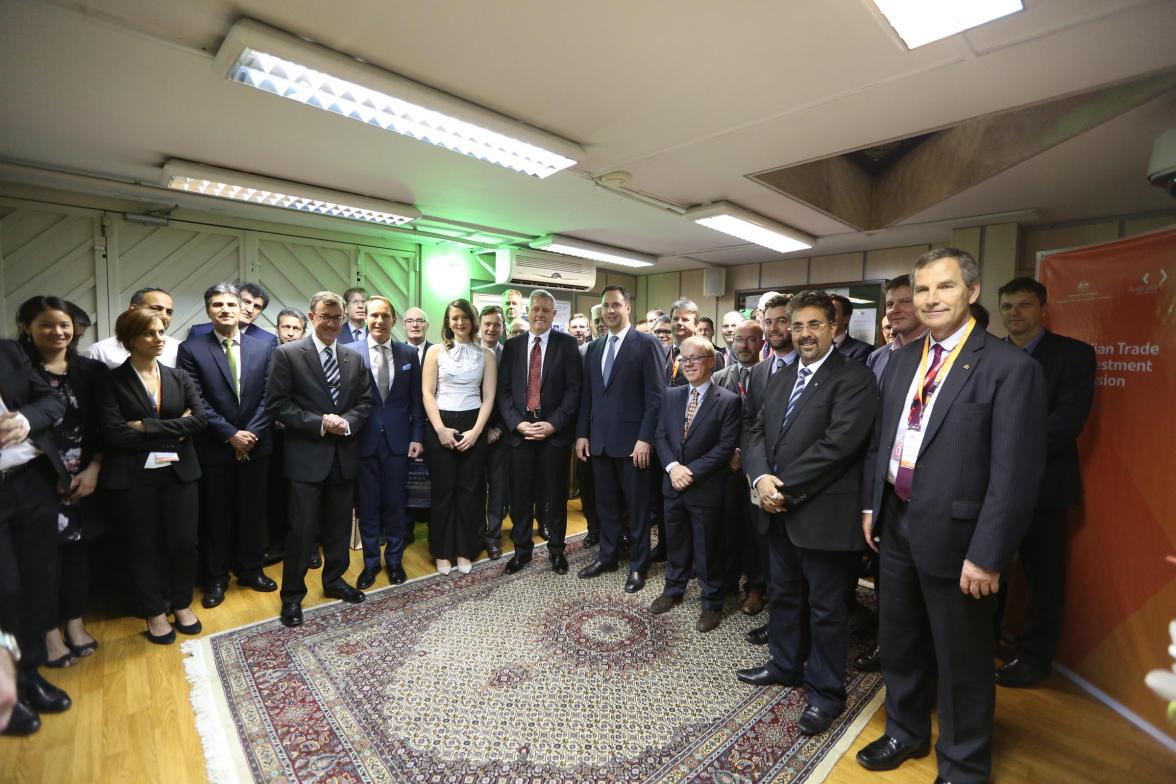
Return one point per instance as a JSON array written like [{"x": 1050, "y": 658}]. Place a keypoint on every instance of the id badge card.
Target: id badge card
[
  {"x": 161, "y": 459},
  {"x": 907, "y": 451}
]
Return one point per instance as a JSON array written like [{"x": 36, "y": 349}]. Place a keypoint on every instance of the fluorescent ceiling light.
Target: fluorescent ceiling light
[
  {"x": 920, "y": 22},
  {"x": 291, "y": 67},
  {"x": 746, "y": 225},
  {"x": 239, "y": 186},
  {"x": 569, "y": 246}
]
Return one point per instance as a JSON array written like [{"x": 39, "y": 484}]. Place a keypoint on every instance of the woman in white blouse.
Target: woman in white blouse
[{"x": 458, "y": 383}]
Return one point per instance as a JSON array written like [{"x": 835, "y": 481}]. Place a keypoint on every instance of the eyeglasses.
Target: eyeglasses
[
  {"x": 693, "y": 359},
  {"x": 812, "y": 326},
  {"x": 414, "y": 321},
  {"x": 329, "y": 319},
  {"x": 744, "y": 341},
  {"x": 661, "y": 332}
]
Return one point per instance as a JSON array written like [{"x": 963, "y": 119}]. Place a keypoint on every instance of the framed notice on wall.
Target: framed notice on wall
[
  {"x": 866, "y": 295},
  {"x": 485, "y": 293}
]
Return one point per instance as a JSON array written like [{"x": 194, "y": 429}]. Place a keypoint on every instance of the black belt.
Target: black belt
[{"x": 9, "y": 474}]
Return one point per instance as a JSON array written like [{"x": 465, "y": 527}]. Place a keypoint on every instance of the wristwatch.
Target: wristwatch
[{"x": 8, "y": 643}]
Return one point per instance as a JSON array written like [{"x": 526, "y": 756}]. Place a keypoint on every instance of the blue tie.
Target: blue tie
[
  {"x": 801, "y": 378},
  {"x": 331, "y": 369},
  {"x": 610, "y": 357}
]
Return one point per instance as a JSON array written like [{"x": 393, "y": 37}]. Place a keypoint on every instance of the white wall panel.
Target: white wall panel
[
  {"x": 391, "y": 274},
  {"x": 293, "y": 269}
]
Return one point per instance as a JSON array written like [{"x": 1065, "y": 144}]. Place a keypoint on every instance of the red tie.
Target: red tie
[
  {"x": 534, "y": 371},
  {"x": 904, "y": 478}
]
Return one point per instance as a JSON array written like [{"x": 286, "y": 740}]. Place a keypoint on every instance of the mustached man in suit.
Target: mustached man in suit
[
  {"x": 538, "y": 393},
  {"x": 697, "y": 433},
  {"x": 253, "y": 299},
  {"x": 1069, "y": 367},
  {"x": 392, "y": 434},
  {"x": 804, "y": 454},
  {"x": 848, "y": 345},
  {"x": 321, "y": 392},
  {"x": 624, "y": 385},
  {"x": 951, "y": 477},
  {"x": 229, "y": 369}
]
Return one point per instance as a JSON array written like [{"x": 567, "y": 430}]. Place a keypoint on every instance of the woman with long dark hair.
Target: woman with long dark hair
[
  {"x": 458, "y": 383},
  {"x": 47, "y": 331}
]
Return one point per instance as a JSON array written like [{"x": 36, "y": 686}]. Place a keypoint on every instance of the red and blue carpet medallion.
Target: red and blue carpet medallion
[{"x": 532, "y": 677}]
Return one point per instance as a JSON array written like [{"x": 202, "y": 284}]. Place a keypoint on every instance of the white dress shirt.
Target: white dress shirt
[
  {"x": 112, "y": 354},
  {"x": 378, "y": 357},
  {"x": 616, "y": 346}
]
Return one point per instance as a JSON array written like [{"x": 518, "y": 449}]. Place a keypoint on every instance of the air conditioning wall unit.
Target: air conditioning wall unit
[{"x": 534, "y": 268}]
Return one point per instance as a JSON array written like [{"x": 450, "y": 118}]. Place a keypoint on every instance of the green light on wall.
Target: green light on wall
[{"x": 446, "y": 275}]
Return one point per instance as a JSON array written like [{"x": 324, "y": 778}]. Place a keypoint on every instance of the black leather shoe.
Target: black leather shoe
[
  {"x": 814, "y": 721},
  {"x": 214, "y": 595},
  {"x": 291, "y": 614},
  {"x": 559, "y": 564},
  {"x": 623, "y": 545},
  {"x": 41, "y": 696},
  {"x": 23, "y": 722},
  {"x": 596, "y": 568},
  {"x": 259, "y": 582},
  {"x": 396, "y": 574},
  {"x": 659, "y": 554},
  {"x": 762, "y": 676},
  {"x": 517, "y": 561},
  {"x": 345, "y": 592},
  {"x": 941, "y": 780},
  {"x": 592, "y": 539},
  {"x": 316, "y": 561},
  {"x": 757, "y": 636},
  {"x": 635, "y": 582},
  {"x": 888, "y": 752},
  {"x": 272, "y": 557},
  {"x": 494, "y": 551},
  {"x": 868, "y": 662},
  {"x": 1017, "y": 673},
  {"x": 367, "y": 578}
]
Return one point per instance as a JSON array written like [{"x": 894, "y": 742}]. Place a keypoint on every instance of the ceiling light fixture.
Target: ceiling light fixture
[
  {"x": 920, "y": 22},
  {"x": 746, "y": 225},
  {"x": 239, "y": 186},
  {"x": 284, "y": 65},
  {"x": 569, "y": 246}
]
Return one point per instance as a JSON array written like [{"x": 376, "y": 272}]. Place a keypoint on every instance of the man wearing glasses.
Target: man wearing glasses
[{"x": 804, "y": 454}]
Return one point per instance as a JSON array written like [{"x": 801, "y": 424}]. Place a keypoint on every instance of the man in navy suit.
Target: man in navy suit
[
  {"x": 355, "y": 328},
  {"x": 491, "y": 323},
  {"x": 848, "y": 345},
  {"x": 392, "y": 434},
  {"x": 253, "y": 300},
  {"x": 696, "y": 436},
  {"x": 621, "y": 398},
  {"x": 229, "y": 368},
  {"x": 804, "y": 455},
  {"x": 538, "y": 393},
  {"x": 950, "y": 480},
  {"x": 1069, "y": 367}
]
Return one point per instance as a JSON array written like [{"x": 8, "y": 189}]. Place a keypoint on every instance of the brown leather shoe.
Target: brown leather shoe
[
  {"x": 663, "y": 604},
  {"x": 753, "y": 604},
  {"x": 708, "y": 620}
]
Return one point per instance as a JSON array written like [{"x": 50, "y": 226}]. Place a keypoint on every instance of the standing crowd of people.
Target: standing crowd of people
[{"x": 779, "y": 467}]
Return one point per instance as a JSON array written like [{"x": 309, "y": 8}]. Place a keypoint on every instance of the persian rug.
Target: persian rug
[{"x": 531, "y": 677}]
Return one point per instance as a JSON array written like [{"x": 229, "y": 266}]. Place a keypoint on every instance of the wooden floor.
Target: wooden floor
[{"x": 131, "y": 720}]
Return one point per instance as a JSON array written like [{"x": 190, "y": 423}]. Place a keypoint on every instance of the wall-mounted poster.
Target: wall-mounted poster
[{"x": 485, "y": 294}]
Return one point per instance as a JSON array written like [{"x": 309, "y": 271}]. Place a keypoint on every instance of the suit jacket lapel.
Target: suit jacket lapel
[
  {"x": 217, "y": 352},
  {"x": 138, "y": 390},
  {"x": 549, "y": 359},
  {"x": 315, "y": 366},
  {"x": 902, "y": 368},
  {"x": 705, "y": 406},
  {"x": 776, "y": 404},
  {"x": 959, "y": 375}
]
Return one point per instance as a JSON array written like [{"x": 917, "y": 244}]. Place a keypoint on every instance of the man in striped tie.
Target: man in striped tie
[{"x": 320, "y": 390}]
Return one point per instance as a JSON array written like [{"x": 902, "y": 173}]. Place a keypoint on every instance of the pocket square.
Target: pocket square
[{"x": 407, "y": 366}]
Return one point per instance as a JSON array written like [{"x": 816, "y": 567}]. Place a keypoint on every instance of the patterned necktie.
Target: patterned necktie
[
  {"x": 331, "y": 371},
  {"x": 534, "y": 374},
  {"x": 743, "y": 373},
  {"x": 357, "y": 334},
  {"x": 231, "y": 358},
  {"x": 801, "y": 379},
  {"x": 691, "y": 410},
  {"x": 382, "y": 376},
  {"x": 777, "y": 363},
  {"x": 904, "y": 478},
  {"x": 609, "y": 358}
]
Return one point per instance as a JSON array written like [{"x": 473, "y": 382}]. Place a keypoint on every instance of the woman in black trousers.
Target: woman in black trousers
[
  {"x": 457, "y": 387},
  {"x": 147, "y": 419},
  {"x": 47, "y": 329}
]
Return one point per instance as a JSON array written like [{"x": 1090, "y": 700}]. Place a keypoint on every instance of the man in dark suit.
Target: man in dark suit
[
  {"x": 321, "y": 392},
  {"x": 253, "y": 300},
  {"x": 538, "y": 393},
  {"x": 696, "y": 436},
  {"x": 583, "y": 471},
  {"x": 355, "y": 328},
  {"x": 952, "y": 474},
  {"x": 848, "y": 345},
  {"x": 805, "y": 455},
  {"x": 229, "y": 369},
  {"x": 1069, "y": 367},
  {"x": 491, "y": 323},
  {"x": 392, "y": 434},
  {"x": 416, "y": 327},
  {"x": 29, "y": 407},
  {"x": 624, "y": 384}
]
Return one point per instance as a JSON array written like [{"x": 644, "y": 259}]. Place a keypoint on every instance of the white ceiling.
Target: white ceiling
[{"x": 689, "y": 96}]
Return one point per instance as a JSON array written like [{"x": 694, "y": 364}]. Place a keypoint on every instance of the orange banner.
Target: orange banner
[{"x": 1121, "y": 298}]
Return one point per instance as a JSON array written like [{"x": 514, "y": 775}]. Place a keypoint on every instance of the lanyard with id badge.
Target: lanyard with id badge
[{"x": 159, "y": 459}]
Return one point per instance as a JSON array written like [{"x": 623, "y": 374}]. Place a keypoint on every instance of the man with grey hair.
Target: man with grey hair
[
  {"x": 597, "y": 314},
  {"x": 538, "y": 394},
  {"x": 321, "y": 391}
]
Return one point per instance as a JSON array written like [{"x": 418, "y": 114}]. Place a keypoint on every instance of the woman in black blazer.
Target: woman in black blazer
[
  {"x": 150, "y": 470},
  {"x": 47, "y": 329}
]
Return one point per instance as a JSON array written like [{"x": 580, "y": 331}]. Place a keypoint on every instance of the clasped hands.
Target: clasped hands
[
  {"x": 13, "y": 429},
  {"x": 535, "y": 431},
  {"x": 771, "y": 499},
  {"x": 681, "y": 477}
]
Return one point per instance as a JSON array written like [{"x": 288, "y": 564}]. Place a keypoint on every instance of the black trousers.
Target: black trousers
[
  {"x": 936, "y": 649},
  {"x": 744, "y": 546},
  {"x": 497, "y": 489},
  {"x": 74, "y": 585},
  {"x": 456, "y": 518},
  {"x": 277, "y": 494},
  {"x": 694, "y": 534},
  {"x": 233, "y": 519},
  {"x": 323, "y": 510},
  {"x": 159, "y": 526},
  {"x": 28, "y": 557},
  {"x": 538, "y": 481},
  {"x": 622, "y": 503},
  {"x": 1043, "y": 554},
  {"x": 587, "y": 494}
]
